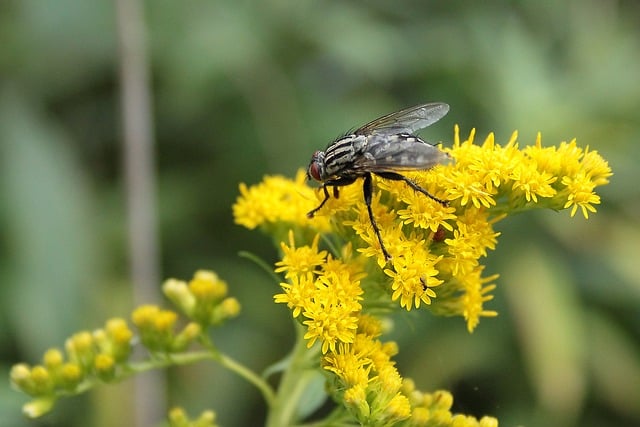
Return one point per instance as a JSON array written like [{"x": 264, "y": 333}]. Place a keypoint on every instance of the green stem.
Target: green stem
[
  {"x": 186, "y": 359},
  {"x": 241, "y": 370},
  {"x": 262, "y": 264},
  {"x": 250, "y": 376},
  {"x": 293, "y": 383}
]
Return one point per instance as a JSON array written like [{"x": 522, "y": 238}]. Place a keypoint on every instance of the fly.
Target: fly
[{"x": 384, "y": 147}]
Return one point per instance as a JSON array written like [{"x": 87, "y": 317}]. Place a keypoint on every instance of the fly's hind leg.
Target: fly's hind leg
[{"x": 397, "y": 177}]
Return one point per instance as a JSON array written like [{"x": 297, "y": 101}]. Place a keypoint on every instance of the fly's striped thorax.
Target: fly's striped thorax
[{"x": 341, "y": 155}]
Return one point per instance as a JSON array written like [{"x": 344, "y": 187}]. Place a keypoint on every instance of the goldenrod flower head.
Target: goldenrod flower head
[
  {"x": 178, "y": 292},
  {"x": 118, "y": 331},
  {"x": 329, "y": 319},
  {"x": 276, "y": 200},
  {"x": 389, "y": 378},
  {"x": 40, "y": 381},
  {"x": 34, "y": 381},
  {"x": 20, "y": 375},
  {"x": 80, "y": 348},
  {"x": 178, "y": 418},
  {"x": 328, "y": 300},
  {"x": 155, "y": 326},
  {"x": 580, "y": 188},
  {"x": 355, "y": 399},
  {"x": 228, "y": 308},
  {"x": 420, "y": 417},
  {"x": 115, "y": 339},
  {"x": 70, "y": 375},
  {"x": 297, "y": 293},
  {"x": 203, "y": 298},
  {"x": 38, "y": 407},
  {"x": 352, "y": 368},
  {"x": 53, "y": 359},
  {"x": 414, "y": 276},
  {"x": 206, "y": 286},
  {"x": 165, "y": 321},
  {"x": 105, "y": 367},
  {"x": 397, "y": 409},
  {"x": 188, "y": 334},
  {"x": 300, "y": 260},
  {"x": 369, "y": 326}
]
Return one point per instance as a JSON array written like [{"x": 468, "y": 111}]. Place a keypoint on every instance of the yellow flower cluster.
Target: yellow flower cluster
[
  {"x": 435, "y": 249},
  {"x": 203, "y": 299},
  {"x": 434, "y": 409},
  {"x": 366, "y": 379},
  {"x": 87, "y": 357},
  {"x": 276, "y": 200},
  {"x": 325, "y": 291},
  {"x": 516, "y": 179},
  {"x": 103, "y": 355},
  {"x": 435, "y": 246}
]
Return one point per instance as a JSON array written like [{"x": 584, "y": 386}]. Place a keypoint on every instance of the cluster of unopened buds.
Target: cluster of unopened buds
[{"x": 104, "y": 355}]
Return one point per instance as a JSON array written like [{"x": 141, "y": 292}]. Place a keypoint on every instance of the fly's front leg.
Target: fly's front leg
[
  {"x": 367, "y": 189},
  {"x": 312, "y": 212},
  {"x": 397, "y": 177},
  {"x": 335, "y": 183}
]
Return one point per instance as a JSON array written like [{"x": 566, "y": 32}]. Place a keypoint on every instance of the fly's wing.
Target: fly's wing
[
  {"x": 409, "y": 120},
  {"x": 389, "y": 153}
]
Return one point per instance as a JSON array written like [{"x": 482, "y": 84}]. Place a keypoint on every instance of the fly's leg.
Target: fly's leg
[
  {"x": 312, "y": 212},
  {"x": 367, "y": 189},
  {"x": 335, "y": 183},
  {"x": 397, "y": 177}
]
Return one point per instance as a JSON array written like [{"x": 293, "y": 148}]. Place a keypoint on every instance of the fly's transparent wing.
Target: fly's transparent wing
[
  {"x": 389, "y": 153},
  {"x": 409, "y": 120}
]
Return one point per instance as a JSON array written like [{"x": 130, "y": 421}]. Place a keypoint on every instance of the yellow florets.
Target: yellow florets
[
  {"x": 276, "y": 200},
  {"x": 436, "y": 250},
  {"x": 436, "y": 256}
]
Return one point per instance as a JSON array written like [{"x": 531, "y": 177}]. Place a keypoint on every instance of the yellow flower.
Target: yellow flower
[
  {"x": 596, "y": 167},
  {"x": 332, "y": 313},
  {"x": 474, "y": 297},
  {"x": 386, "y": 220},
  {"x": 397, "y": 409},
  {"x": 277, "y": 199},
  {"x": 426, "y": 213},
  {"x": 207, "y": 287},
  {"x": 414, "y": 276},
  {"x": 297, "y": 294},
  {"x": 533, "y": 183},
  {"x": 300, "y": 260},
  {"x": 469, "y": 188},
  {"x": 355, "y": 398},
  {"x": 351, "y": 367},
  {"x": 581, "y": 195}
]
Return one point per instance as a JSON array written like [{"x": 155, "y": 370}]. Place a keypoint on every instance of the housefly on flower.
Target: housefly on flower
[{"x": 384, "y": 147}]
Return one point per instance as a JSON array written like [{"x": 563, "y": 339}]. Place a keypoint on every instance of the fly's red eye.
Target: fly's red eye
[{"x": 314, "y": 170}]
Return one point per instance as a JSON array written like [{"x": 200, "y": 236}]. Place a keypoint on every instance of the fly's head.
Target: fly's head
[{"x": 316, "y": 168}]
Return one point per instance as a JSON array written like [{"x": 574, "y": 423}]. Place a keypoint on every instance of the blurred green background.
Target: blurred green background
[{"x": 244, "y": 88}]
